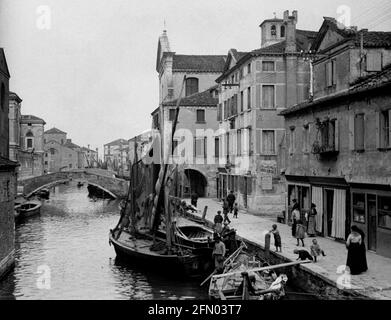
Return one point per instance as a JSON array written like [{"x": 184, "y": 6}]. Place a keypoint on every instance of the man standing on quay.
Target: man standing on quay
[{"x": 231, "y": 200}]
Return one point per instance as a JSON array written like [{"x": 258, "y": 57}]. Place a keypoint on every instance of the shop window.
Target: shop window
[
  {"x": 384, "y": 212},
  {"x": 359, "y": 207}
]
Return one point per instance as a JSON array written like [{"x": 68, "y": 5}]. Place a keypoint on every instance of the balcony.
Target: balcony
[{"x": 324, "y": 149}]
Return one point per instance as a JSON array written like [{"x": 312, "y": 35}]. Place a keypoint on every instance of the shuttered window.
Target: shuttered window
[
  {"x": 384, "y": 130},
  {"x": 268, "y": 97},
  {"x": 359, "y": 132},
  {"x": 268, "y": 142},
  {"x": 268, "y": 66},
  {"x": 331, "y": 73},
  {"x": 374, "y": 61},
  {"x": 239, "y": 142},
  {"x": 171, "y": 115},
  {"x": 200, "y": 116},
  {"x": 191, "y": 86},
  {"x": 248, "y": 98},
  {"x": 241, "y": 101}
]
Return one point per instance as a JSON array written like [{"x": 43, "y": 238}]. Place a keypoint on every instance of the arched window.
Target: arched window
[
  {"x": 282, "y": 31},
  {"x": 273, "y": 30},
  {"x": 52, "y": 151},
  {"x": 2, "y": 96},
  {"x": 191, "y": 86},
  {"x": 29, "y": 140}
]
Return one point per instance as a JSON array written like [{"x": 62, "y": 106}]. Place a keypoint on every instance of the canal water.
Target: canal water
[{"x": 64, "y": 253}]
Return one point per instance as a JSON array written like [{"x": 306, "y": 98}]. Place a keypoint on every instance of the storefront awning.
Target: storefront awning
[{"x": 319, "y": 181}]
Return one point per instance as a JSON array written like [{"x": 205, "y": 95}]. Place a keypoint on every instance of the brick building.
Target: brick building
[
  {"x": 198, "y": 110},
  {"x": 7, "y": 177},
  {"x": 338, "y": 144},
  {"x": 254, "y": 87}
]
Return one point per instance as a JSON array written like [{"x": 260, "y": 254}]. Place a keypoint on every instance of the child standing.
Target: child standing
[
  {"x": 316, "y": 250},
  {"x": 300, "y": 232},
  {"x": 277, "y": 237},
  {"x": 236, "y": 210}
]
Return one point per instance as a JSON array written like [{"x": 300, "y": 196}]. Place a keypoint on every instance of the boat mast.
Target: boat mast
[{"x": 162, "y": 180}]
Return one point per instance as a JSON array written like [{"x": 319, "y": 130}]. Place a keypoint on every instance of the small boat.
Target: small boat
[
  {"x": 80, "y": 184},
  {"x": 247, "y": 278},
  {"x": 29, "y": 208},
  {"x": 43, "y": 193}
]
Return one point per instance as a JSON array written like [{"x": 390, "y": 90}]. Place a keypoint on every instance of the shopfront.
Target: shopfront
[{"x": 371, "y": 212}]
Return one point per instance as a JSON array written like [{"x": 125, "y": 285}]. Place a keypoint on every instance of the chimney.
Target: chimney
[{"x": 290, "y": 26}]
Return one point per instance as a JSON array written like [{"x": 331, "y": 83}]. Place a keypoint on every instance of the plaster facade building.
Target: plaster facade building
[
  {"x": 338, "y": 143},
  {"x": 198, "y": 111},
  {"x": 7, "y": 177},
  {"x": 254, "y": 87},
  {"x": 61, "y": 154},
  {"x": 116, "y": 154}
]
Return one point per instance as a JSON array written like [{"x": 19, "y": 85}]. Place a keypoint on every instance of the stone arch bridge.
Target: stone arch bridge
[{"x": 103, "y": 179}]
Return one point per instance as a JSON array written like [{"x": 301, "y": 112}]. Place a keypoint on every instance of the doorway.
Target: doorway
[
  {"x": 328, "y": 213},
  {"x": 371, "y": 202}
]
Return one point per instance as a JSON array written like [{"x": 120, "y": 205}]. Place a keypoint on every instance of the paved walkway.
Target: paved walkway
[{"x": 375, "y": 283}]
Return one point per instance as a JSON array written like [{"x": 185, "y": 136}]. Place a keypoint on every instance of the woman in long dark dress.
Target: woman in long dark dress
[
  {"x": 356, "y": 261},
  {"x": 312, "y": 221}
]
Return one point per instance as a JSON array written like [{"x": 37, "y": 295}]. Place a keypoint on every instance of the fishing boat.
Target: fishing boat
[
  {"x": 146, "y": 232},
  {"x": 29, "y": 208}
]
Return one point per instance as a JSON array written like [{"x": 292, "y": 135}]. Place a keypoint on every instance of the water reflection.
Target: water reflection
[{"x": 70, "y": 239}]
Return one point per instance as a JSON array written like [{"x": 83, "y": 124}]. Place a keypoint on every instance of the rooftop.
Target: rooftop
[
  {"x": 205, "y": 63},
  {"x": 204, "y": 99},
  {"x": 6, "y": 163},
  {"x": 54, "y": 131},
  {"x": 116, "y": 142},
  {"x": 31, "y": 119}
]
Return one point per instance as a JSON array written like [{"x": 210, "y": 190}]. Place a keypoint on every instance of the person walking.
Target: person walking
[
  {"x": 356, "y": 259},
  {"x": 219, "y": 254},
  {"x": 231, "y": 200},
  {"x": 300, "y": 232},
  {"x": 194, "y": 199},
  {"x": 218, "y": 222},
  {"x": 312, "y": 221},
  {"x": 226, "y": 218},
  {"x": 295, "y": 216}
]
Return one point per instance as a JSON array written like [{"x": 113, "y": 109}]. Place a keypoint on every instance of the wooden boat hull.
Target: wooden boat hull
[
  {"x": 137, "y": 251},
  {"x": 29, "y": 209}
]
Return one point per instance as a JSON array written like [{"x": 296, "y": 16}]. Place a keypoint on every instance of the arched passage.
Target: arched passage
[{"x": 195, "y": 182}]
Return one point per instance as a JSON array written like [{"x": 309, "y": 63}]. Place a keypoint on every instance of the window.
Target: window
[
  {"x": 273, "y": 31},
  {"x": 46, "y": 163},
  {"x": 268, "y": 97},
  {"x": 191, "y": 86},
  {"x": 52, "y": 151},
  {"x": 330, "y": 73},
  {"x": 217, "y": 148},
  {"x": 44, "y": 140},
  {"x": 268, "y": 66},
  {"x": 200, "y": 147},
  {"x": 70, "y": 165},
  {"x": 239, "y": 142},
  {"x": 29, "y": 143},
  {"x": 249, "y": 68},
  {"x": 359, "y": 207},
  {"x": 328, "y": 135},
  {"x": 174, "y": 150},
  {"x": 241, "y": 101},
  {"x": 268, "y": 142},
  {"x": 232, "y": 79},
  {"x": 219, "y": 112},
  {"x": 29, "y": 124},
  {"x": 384, "y": 212},
  {"x": 46, "y": 155},
  {"x": 62, "y": 141},
  {"x": 359, "y": 132},
  {"x": 292, "y": 140},
  {"x": 201, "y": 116},
  {"x": 282, "y": 31},
  {"x": 306, "y": 139},
  {"x": 374, "y": 61},
  {"x": 384, "y": 129},
  {"x": 248, "y": 98},
  {"x": 241, "y": 73},
  {"x": 171, "y": 114}
]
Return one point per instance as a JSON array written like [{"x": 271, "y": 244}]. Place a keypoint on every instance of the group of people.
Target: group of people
[{"x": 355, "y": 244}]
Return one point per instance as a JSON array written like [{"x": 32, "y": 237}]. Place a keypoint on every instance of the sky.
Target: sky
[{"x": 87, "y": 67}]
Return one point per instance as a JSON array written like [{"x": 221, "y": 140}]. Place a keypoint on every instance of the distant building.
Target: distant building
[
  {"x": 338, "y": 143},
  {"x": 142, "y": 142},
  {"x": 89, "y": 157},
  {"x": 7, "y": 176},
  {"x": 14, "y": 125},
  {"x": 61, "y": 154},
  {"x": 254, "y": 87},
  {"x": 116, "y": 154},
  {"x": 198, "y": 109}
]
